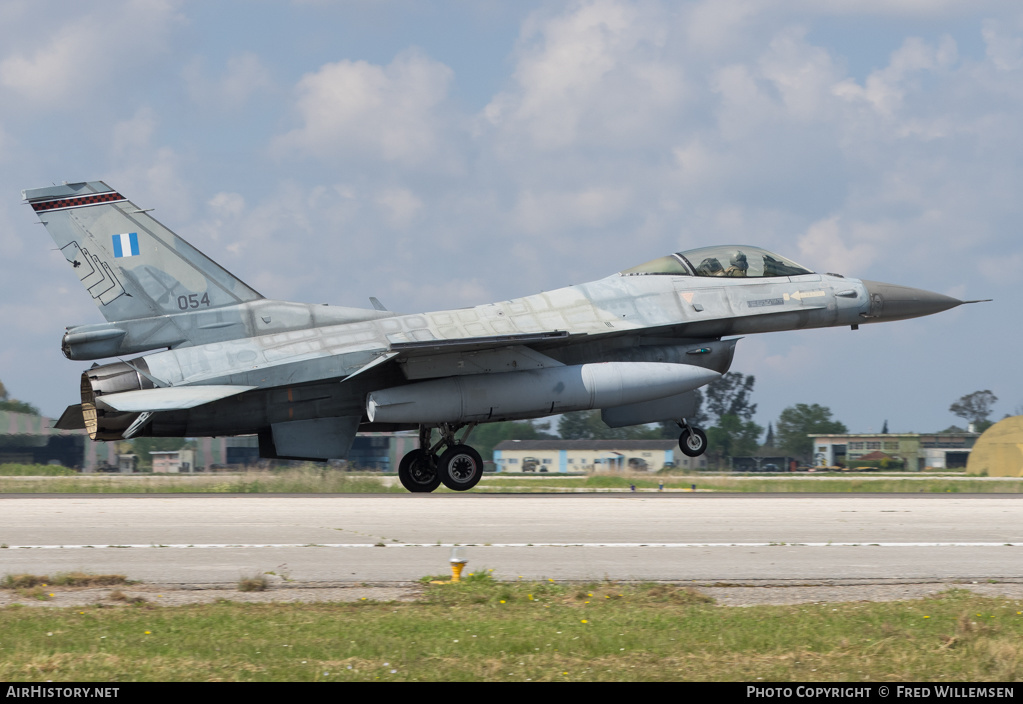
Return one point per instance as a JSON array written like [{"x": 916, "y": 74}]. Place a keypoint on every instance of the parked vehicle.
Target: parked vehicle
[{"x": 531, "y": 464}]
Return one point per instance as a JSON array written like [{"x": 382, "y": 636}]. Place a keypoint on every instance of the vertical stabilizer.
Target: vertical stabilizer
[{"x": 131, "y": 265}]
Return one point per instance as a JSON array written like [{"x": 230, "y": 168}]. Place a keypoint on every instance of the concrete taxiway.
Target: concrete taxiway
[{"x": 398, "y": 538}]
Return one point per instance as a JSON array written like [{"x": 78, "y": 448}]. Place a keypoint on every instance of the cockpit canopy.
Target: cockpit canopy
[{"x": 726, "y": 260}]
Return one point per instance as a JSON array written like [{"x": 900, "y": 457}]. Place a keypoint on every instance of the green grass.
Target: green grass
[
  {"x": 481, "y": 630},
  {"x": 62, "y": 579},
  {"x": 37, "y": 587},
  {"x": 299, "y": 480},
  {"x": 35, "y": 470},
  {"x": 312, "y": 479}
]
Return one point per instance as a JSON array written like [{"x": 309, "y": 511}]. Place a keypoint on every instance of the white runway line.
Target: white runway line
[{"x": 207, "y": 546}]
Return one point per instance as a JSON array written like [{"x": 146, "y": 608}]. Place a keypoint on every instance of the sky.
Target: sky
[{"x": 447, "y": 153}]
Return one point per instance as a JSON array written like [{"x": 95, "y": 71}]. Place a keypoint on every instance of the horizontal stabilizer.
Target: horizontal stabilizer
[
  {"x": 177, "y": 398},
  {"x": 71, "y": 419}
]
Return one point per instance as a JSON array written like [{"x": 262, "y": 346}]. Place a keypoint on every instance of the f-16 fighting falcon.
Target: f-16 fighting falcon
[{"x": 220, "y": 359}]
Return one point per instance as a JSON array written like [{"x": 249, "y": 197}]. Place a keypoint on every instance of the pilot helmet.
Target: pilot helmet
[
  {"x": 738, "y": 260},
  {"x": 710, "y": 264}
]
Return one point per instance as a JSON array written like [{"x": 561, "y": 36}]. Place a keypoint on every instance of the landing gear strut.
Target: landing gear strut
[
  {"x": 692, "y": 441},
  {"x": 459, "y": 467}
]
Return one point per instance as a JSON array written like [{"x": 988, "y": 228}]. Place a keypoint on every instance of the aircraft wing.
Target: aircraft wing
[{"x": 426, "y": 359}]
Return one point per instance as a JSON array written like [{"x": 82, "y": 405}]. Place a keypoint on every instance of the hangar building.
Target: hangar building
[
  {"x": 999, "y": 451},
  {"x": 914, "y": 451}
]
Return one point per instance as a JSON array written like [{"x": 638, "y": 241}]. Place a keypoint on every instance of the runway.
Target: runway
[{"x": 173, "y": 539}]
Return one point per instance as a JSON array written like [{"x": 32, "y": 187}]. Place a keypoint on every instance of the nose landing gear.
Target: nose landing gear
[
  {"x": 459, "y": 467},
  {"x": 692, "y": 441}
]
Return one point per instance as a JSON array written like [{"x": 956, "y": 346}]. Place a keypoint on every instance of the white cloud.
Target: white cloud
[
  {"x": 244, "y": 76},
  {"x": 594, "y": 74},
  {"x": 79, "y": 54},
  {"x": 549, "y": 212},
  {"x": 885, "y": 89},
  {"x": 1004, "y": 49},
  {"x": 229, "y": 204},
  {"x": 717, "y": 26},
  {"x": 388, "y": 112},
  {"x": 45, "y": 76},
  {"x": 824, "y": 248},
  {"x": 400, "y": 206},
  {"x": 147, "y": 173},
  {"x": 743, "y": 106},
  {"x": 135, "y": 134},
  {"x": 223, "y": 211},
  {"x": 801, "y": 73}
]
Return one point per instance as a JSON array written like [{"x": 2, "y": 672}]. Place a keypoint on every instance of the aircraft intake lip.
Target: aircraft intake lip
[{"x": 895, "y": 302}]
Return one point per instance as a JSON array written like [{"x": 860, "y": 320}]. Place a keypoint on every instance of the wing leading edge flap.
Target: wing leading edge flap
[
  {"x": 176, "y": 398},
  {"x": 467, "y": 344}
]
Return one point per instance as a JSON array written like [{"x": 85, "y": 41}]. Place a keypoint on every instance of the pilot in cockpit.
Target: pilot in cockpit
[
  {"x": 710, "y": 267},
  {"x": 739, "y": 265}
]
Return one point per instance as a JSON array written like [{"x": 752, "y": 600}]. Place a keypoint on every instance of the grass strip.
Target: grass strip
[
  {"x": 312, "y": 479},
  {"x": 300, "y": 480},
  {"x": 62, "y": 579},
  {"x": 35, "y": 470},
  {"x": 482, "y": 630}
]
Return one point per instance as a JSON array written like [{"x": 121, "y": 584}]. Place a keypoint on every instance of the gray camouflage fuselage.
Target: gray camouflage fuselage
[{"x": 619, "y": 318}]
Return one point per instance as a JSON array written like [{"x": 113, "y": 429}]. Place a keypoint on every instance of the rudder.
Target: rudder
[{"x": 131, "y": 265}]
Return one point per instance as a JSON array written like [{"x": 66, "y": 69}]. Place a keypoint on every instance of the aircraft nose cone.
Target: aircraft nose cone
[{"x": 894, "y": 302}]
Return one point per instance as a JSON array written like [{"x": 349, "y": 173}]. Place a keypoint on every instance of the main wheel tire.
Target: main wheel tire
[
  {"x": 460, "y": 468},
  {"x": 418, "y": 472},
  {"x": 692, "y": 442}
]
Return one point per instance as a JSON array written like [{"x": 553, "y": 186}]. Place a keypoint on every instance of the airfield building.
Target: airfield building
[
  {"x": 590, "y": 455},
  {"x": 911, "y": 451}
]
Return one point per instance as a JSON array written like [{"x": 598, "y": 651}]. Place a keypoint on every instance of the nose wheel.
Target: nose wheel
[{"x": 692, "y": 441}]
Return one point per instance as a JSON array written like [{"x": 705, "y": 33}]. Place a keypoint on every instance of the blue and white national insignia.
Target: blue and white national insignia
[{"x": 126, "y": 245}]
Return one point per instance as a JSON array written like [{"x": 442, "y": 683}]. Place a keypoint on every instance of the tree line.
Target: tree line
[{"x": 9, "y": 404}]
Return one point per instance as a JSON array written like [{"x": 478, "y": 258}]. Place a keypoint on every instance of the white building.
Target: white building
[{"x": 591, "y": 455}]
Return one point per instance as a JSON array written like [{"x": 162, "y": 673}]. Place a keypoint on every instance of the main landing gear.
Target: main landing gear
[
  {"x": 459, "y": 467},
  {"x": 692, "y": 441}
]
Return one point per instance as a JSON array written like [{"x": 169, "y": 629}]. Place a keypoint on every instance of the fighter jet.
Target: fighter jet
[{"x": 220, "y": 359}]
